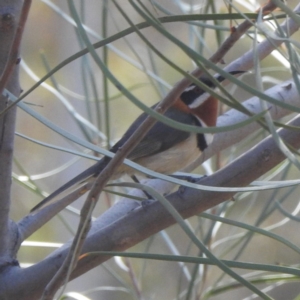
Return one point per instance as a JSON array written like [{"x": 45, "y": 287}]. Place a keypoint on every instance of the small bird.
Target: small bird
[{"x": 164, "y": 149}]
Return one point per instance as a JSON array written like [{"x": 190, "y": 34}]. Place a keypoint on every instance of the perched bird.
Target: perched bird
[{"x": 164, "y": 149}]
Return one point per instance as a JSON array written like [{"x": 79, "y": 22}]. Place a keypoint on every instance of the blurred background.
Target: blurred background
[{"x": 103, "y": 115}]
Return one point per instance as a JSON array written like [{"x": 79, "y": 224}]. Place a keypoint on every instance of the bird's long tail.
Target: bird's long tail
[{"x": 74, "y": 183}]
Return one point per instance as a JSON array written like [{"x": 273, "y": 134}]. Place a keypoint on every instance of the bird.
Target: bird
[{"x": 163, "y": 149}]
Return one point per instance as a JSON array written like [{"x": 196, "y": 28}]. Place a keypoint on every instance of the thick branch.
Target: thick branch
[{"x": 8, "y": 24}]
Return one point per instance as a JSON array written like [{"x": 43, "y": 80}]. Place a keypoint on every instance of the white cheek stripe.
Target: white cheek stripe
[
  {"x": 208, "y": 136},
  {"x": 198, "y": 101},
  {"x": 189, "y": 88}
]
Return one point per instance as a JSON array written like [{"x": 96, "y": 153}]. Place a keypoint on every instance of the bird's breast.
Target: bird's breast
[{"x": 174, "y": 158}]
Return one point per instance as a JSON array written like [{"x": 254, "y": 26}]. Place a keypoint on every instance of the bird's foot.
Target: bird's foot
[{"x": 190, "y": 178}]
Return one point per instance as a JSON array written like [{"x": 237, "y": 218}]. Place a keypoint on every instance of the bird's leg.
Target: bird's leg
[
  {"x": 188, "y": 178},
  {"x": 135, "y": 179}
]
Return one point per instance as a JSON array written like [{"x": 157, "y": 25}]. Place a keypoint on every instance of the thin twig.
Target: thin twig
[{"x": 14, "y": 52}]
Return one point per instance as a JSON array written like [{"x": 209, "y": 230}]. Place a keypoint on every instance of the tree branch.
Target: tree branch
[
  {"x": 14, "y": 50},
  {"x": 9, "y": 15}
]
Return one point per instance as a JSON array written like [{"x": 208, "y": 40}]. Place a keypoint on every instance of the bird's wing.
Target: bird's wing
[{"x": 160, "y": 137}]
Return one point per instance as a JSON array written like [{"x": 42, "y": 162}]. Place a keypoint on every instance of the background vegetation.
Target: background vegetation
[{"x": 81, "y": 100}]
